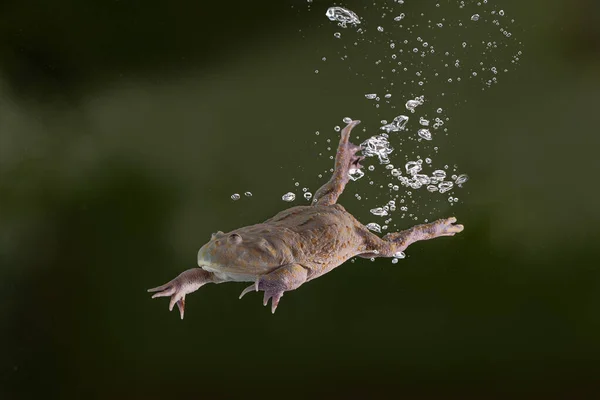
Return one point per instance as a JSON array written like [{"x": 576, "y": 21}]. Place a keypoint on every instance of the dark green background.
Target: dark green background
[{"x": 126, "y": 125}]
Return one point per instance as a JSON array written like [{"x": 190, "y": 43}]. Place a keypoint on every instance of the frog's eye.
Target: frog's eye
[
  {"x": 216, "y": 235},
  {"x": 234, "y": 238}
]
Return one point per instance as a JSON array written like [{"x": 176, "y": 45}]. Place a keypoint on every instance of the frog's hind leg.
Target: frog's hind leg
[
  {"x": 345, "y": 160},
  {"x": 393, "y": 243},
  {"x": 274, "y": 284}
]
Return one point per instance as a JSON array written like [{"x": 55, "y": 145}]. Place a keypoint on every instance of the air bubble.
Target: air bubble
[
  {"x": 355, "y": 174},
  {"x": 342, "y": 15},
  {"x": 379, "y": 211},
  {"x": 372, "y": 226},
  {"x": 462, "y": 179},
  {"x": 425, "y": 134},
  {"x": 289, "y": 197}
]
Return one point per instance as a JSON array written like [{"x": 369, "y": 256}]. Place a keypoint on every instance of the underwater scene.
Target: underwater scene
[{"x": 162, "y": 162}]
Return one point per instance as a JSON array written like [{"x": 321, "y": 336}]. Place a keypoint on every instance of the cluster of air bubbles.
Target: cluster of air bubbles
[
  {"x": 379, "y": 146},
  {"x": 416, "y": 102},
  {"x": 236, "y": 196},
  {"x": 464, "y": 58},
  {"x": 436, "y": 182},
  {"x": 398, "y": 256},
  {"x": 398, "y": 124},
  {"x": 343, "y": 16}
]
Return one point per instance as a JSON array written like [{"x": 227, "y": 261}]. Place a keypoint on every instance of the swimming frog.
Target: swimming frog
[{"x": 297, "y": 245}]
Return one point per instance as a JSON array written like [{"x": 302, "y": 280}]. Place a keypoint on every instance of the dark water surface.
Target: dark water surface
[{"x": 126, "y": 126}]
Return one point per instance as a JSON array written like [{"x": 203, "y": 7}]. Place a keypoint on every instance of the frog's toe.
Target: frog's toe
[
  {"x": 275, "y": 297},
  {"x": 448, "y": 227},
  {"x": 181, "y": 306},
  {"x": 250, "y": 288}
]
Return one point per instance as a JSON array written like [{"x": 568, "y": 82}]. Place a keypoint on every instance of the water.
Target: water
[
  {"x": 103, "y": 117},
  {"x": 420, "y": 51}
]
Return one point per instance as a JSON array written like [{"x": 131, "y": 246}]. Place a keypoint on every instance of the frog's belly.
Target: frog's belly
[{"x": 230, "y": 276}]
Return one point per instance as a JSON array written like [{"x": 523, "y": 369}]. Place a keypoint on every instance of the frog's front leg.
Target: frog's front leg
[
  {"x": 187, "y": 282},
  {"x": 393, "y": 243},
  {"x": 274, "y": 284}
]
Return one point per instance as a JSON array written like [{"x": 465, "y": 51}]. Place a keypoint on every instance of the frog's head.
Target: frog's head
[{"x": 243, "y": 251}]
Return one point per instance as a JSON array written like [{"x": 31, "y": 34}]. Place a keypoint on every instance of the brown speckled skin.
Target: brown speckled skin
[{"x": 298, "y": 244}]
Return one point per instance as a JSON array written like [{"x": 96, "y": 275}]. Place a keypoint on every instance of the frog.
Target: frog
[{"x": 299, "y": 244}]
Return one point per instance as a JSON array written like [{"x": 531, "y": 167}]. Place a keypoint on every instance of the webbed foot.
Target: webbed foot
[
  {"x": 270, "y": 293},
  {"x": 187, "y": 282},
  {"x": 274, "y": 284}
]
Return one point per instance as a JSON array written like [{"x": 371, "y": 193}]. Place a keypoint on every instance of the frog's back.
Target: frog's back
[
  {"x": 321, "y": 231},
  {"x": 304, "y": 219}
]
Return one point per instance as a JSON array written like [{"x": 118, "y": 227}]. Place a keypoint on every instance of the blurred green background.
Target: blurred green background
[{"x": 126, "y": 125}]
